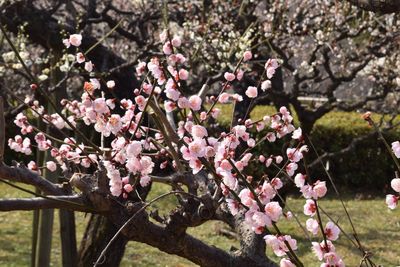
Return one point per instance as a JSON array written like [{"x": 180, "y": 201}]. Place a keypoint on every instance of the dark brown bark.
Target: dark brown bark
[
  {"x": 98, "y": 233},
  {"x": 380, "y": 6}
]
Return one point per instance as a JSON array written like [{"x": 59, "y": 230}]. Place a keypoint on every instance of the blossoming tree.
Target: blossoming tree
[
  {"x": 157, "y": 132},
  {"x": 211, "y": 168}
]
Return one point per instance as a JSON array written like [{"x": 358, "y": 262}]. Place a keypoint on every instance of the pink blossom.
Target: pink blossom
[
  {"x": 114, "y": 123},
  {"x": 299, "y": 180},
  {"x": 199, "y": 131},
  {"x": 163, "y": 36},
  {"x": 133, "y": 149},
  {"x": 75, "y": 39},
  {"x": 20, "y": 145},
  {"x": 51, "y": 166},
  {"x": 239, "y": 75},
  {"x": 66, "y": 43},
  {"x": 247, "y": 197},
  {"x": 80, "y": 58},
  {"x": 396, "y": 148},
  {"x": 391, "y": 201},
  {"x": 183, "y": 74},
  {"x": 141, "y": 68},
  {"x": 291, "y": 168},
  {"x": 286, "y": 263},
  {"x": 271, "y": 137},
  {"x": 128, "y": 188},
  {"x": 146, "y": 164},
  {"x": 169, "y": 106},
  {"x": 294, "y": 154},
  {"x": 197, "y": 148},
  {"x": 251, "y": 92},
  {"x": 141, "y": 102},
  {"x": 320, "y": 249},
  {"x": 203, "y": 116},
  {"x": 33, "y": 167},
  {"x": 297, "y": 134},
  {"x": 265, "y": 85},
  {"x": 268, "y": 162},
  {"x": 247, "y": 55},
  {"x": 251, "y": 142},
  {"x": 195, "y": 102},
  {"x": 224, "y": 98},
  {"x": 145, "y": 180},
  {"x": 395, "y": 184},
  {"x": 110, "y": 84},
  {"x": 233, "y": 206},
  {"x": 332, "y": 231},
  {"x": 100, "y": 105},
  {"x": 332, "y": 259},
  {"x": 171, "y": 92},
  {"x": 85, "y": 162},
  {"x": 196, "y": 165},
  {"x": 267, "y": 192},
  {"x": 89, "y": 66},
  {"x": 229, "y": 76},
  {"x": 215, "y": 112},
  {"x": 260, "y": 126},
  {"x": 125, "y": 180},
  {"x": 278, "y": 245},
  {"x": 237, "y": 97},
  {"x": 176, "y": 41},
  {"x": 276, "y": 183},
  {"x": 167, "y": 48},
  {"x": 273, "y": 210},
  {"x": 312, "y": 226},
  {"x": 270, "y": 66},
  {"x": 225, "y": 165},
  {"x": 183, "y": 102},
  {"x": 309, "y": 208},
  {"x": 258, "y": 221},
  {"x": 319, "y": 189}
]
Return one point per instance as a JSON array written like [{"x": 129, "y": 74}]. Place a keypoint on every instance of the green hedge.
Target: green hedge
[{"x": 369, "y": 165}]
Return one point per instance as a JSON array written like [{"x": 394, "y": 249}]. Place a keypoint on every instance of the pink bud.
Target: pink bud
[
  {"x": 128, "y": 188},
  {"x": 229, "y": 76},
  {"x": 247, "y": 55}
]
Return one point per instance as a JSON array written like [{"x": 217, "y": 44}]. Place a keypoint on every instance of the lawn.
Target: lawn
[{"x": 378, "y": 229}]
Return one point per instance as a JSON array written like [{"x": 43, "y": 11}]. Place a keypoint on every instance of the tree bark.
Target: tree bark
[
  {"x": 99, "y": 232},
  {"x": 379, "y": 6}
]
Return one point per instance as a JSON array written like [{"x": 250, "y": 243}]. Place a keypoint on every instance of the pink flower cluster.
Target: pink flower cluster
[{"x": 391, "y": 199}]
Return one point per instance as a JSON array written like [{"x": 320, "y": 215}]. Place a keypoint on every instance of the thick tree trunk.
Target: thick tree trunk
[{"x": 99, "y": 232}]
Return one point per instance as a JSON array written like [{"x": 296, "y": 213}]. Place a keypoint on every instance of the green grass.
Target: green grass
[{"x": 378, "y": 229}]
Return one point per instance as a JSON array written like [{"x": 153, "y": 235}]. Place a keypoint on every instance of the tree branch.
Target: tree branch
[
  {"x": 74, "y": 203},
  {"x": 23, "y": 175}
]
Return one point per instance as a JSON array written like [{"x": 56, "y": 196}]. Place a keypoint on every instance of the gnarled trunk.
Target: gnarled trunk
[{"x": 99, "y": 232}]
